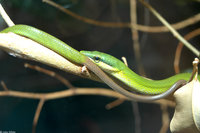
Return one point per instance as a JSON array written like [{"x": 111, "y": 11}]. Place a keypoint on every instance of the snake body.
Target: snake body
[
  {"x": 161, "y": 87},
  {"x": 119, "y": 70}
]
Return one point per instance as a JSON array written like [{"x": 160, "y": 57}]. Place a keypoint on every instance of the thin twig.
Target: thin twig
[
  {"x": 172, "y": 30},
  {"x": 195, "y": 69},
  {"x": 37, "y": 114},
  {"x": 62, "y": 94},
  {"x": 137, "y": 52},
  {"x": 114, "y": 103},
  {"x": 154, "y": 29},
  {"x": 179, "y": 48},
  {"x": 177, "y": 58},
  {"x": 50, "y": 73},
  {"x": 6, "y": 17},
  {"x": 135, "y": 37},
  {"x": 137, "y": 117},
  {"x": 87, "y": 20},
  {"x": 144, "y": 36},
  {"x": 74, "y": 92},
  {"x": 124, "y": 60},
  {"x": 4, "y": 86},
  {"x": 165, "y": 119}
]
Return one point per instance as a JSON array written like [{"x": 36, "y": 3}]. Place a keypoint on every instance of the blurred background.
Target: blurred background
[{"x": 87, "y": 114}]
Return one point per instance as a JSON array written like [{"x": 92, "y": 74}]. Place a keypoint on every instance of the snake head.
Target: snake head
[{"x": 105, "y": 61}]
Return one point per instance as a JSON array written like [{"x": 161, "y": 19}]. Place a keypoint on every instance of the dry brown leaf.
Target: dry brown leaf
[{"x": 186, "y": 118}]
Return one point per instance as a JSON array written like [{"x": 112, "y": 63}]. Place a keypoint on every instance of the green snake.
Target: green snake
[
  {"x": 119, "y": 70},
  {"x": 108, "y": 64}
]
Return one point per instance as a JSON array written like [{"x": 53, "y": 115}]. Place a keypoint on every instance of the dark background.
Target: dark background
[{"x": 87, "y": 114}]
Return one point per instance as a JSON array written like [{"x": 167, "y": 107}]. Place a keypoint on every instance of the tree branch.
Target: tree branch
[{"x": 153, "y": 29}]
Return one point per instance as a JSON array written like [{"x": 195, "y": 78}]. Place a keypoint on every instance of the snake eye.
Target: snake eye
[{"x": 97, "y": 59}]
